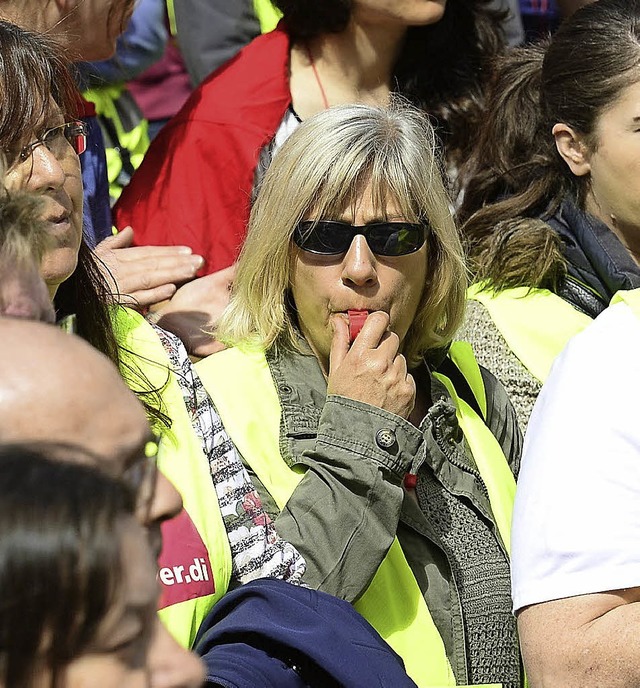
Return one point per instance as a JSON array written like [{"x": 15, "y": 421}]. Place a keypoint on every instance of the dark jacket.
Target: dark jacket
[
  {"x": 272, "y": 634},
  {"x": 598, "y": 265}
]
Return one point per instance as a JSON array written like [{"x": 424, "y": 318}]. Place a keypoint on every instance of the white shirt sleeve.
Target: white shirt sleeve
[{"x": 576, "y": 527}]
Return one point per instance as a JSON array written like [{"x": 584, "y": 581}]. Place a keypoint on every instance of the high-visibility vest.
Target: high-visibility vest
[
  {"x": 125, "y": 133},
  {"x": 630, "y": 297},
  {"x": 171, "y": 14},
  {"x": 267, "y": 14},
  {"x": 535, "y": 323},
  {"x": 240, "y": 383},
  {"x": 195, "y": 564}
]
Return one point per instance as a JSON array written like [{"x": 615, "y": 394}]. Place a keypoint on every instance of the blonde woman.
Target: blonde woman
[{"x": 390, "y": 479}]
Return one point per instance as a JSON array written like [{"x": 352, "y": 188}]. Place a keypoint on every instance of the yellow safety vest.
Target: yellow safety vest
[
  {"x": 183, "y": 574},
  {"x": 630, "y": 297},
  {"x": 267, "y": 14},
  {"x": 535, "y": 323},
  {"x": 239, "y": 382},
  {"x": 125, "y": 131},
  {"x": 171, "y": 13}
]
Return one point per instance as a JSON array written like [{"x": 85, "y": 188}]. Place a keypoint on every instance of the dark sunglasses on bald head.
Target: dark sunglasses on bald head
[{"x": 333, "y": 238}]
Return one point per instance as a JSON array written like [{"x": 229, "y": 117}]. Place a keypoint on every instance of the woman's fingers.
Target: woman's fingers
[
  {"x": 371, "y": 370},
  {"x": 145, "y": 274}
]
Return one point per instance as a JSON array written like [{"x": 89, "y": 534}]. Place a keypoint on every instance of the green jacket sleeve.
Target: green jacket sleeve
[{"x": 344, "y": 514}]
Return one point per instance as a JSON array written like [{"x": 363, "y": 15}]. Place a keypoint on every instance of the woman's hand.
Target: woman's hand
[
  {"x": 371, "y": 370},
  {"x": 141, "y": 276},
  {"x": 194, "y": 310}
]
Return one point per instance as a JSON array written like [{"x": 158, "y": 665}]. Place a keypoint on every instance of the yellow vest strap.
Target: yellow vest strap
[
  {"x": 171, "y": 13},
  {"x": 492, "y": 465},
  {"x": 267, "y": 15},
  {"x": 181, "y": 459},
  {"x": 536, "y": 323},
  {"x": 461, "y": 354}
]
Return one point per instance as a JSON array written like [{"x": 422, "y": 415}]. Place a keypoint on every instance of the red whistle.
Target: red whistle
[{"x": 356, "y": 321}]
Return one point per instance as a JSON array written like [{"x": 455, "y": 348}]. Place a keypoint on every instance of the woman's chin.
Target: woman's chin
[{"x": 57, "y": 269}]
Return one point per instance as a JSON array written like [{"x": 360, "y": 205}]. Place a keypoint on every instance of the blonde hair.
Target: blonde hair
[
  {"x": 23, "y": 235},
  {"x": 322, "y": 169}
]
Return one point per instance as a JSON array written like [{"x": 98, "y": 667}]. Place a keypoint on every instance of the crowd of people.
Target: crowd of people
[{"x": 314, "y": 331}]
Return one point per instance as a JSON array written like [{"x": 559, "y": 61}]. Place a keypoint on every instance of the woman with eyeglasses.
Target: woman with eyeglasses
[
  {"x": 386, "y": 462},
  {"x": 42, "y": 144},
  {"x": 77, "y": 575}
]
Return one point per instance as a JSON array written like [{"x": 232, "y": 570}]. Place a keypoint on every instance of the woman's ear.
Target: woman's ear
[{"x": 572, "y": 149}]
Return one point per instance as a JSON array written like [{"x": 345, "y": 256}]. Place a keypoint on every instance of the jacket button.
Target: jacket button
[
  {"x": 385, "y": 438},
  {"x": 286, "y": 390}
]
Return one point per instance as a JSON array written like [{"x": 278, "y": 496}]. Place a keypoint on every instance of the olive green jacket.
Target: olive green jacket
[{"x": 350, "y": 504}]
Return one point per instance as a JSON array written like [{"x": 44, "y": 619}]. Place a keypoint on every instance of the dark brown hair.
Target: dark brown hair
[
  {"x": 60, "y": 557},
  {"x": 515, "y": 172},
  {"x": 33, "y": 70},
  {"x": 443, "y": 67},
  {"x": 35, "y": 80}
]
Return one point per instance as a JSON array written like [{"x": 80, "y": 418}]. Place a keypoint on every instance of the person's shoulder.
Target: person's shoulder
[
  {"x": 599, "y": 363},
  {"x": 611, "y": 340}
]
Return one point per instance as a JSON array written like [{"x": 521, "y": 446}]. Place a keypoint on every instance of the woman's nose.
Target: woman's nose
[
  {"x": 46, "y": 170},
  {"x": 359, "y": 264}
]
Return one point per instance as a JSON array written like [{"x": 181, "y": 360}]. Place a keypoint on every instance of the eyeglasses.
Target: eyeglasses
[
  {"x": 142, "y": 475},
  {"x": 58, "y": 138},
  {"x": 332, "y": 238}
]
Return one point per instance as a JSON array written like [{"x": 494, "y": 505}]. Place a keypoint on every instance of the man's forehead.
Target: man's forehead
[
  {"x": 113, "y": 429},
  {"x": 56, "y": 387},
  {"x": 118, "y": 436}
]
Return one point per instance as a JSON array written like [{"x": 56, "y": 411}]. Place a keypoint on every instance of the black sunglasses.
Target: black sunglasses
[{"x": 332, "y": 238}]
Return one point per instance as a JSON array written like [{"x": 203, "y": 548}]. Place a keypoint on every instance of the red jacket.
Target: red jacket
[{"x": 194, "y": 185}]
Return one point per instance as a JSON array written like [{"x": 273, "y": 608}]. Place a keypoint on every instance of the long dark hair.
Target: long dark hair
[
  {"x": 443, "y": 68},
  {"x": 60, "y": 557},
  {"x": 515, "y": 172},
  {"x": 35, "y": 80},
  {"x": 33, "y": 70}
]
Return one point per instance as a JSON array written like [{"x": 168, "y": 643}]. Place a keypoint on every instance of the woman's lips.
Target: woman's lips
[{"x": 59, "y": 222}]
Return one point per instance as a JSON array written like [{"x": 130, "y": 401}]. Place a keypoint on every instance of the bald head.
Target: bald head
[{"x": 55, "y": 387}]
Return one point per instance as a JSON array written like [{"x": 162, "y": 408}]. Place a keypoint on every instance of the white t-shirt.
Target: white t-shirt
[{"x": 576, "y": 527}]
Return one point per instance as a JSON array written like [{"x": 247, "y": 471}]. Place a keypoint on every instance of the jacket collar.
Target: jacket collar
[{"x": 595, "y": 256}]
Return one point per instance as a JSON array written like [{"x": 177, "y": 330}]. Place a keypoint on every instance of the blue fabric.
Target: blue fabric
[
  {"x": 272, "y": 634},
  {"x": 96, "y": 211},
  {"x": 539, "y": 7},
  {"x": 539, "y": 18}
]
